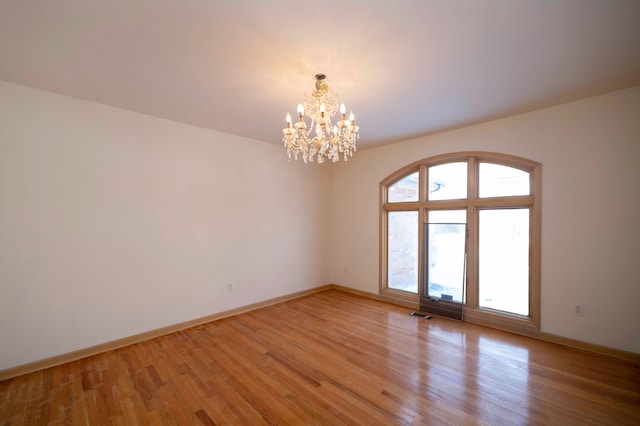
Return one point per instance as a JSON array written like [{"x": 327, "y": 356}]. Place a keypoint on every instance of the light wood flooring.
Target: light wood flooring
[{"x": 330, "y": 358}]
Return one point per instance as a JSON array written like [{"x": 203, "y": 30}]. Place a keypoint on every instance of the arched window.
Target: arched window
[{"x": 463, "y": 230}]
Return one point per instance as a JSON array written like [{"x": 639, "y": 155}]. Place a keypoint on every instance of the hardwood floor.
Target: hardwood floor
[{"x": 330, "y": 358}]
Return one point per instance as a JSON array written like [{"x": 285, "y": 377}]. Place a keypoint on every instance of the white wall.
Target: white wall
[
  {"x": 590, "y": 155},
  {"x": 114, "y": 223}
]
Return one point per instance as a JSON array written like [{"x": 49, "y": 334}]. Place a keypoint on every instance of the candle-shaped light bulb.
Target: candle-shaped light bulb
[
  {"x": 351, "y": 117},
  {"x": 343, "y": 109},
  {"x": 322, "y": 109},
  {"x": 288, "y": 120},
  {"x": 300, "y": 111}
]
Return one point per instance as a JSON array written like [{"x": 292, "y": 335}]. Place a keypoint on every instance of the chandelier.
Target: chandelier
[{"x": 329, "y": 140}]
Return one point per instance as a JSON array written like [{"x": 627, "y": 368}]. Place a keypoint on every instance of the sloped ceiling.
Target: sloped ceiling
[{"x": 406, "y": 68}]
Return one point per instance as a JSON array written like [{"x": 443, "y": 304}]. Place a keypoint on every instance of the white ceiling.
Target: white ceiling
[{"x": 406, "y": 68}]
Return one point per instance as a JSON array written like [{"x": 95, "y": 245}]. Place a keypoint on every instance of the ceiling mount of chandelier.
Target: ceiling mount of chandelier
[{"x": 322, "y": 138}]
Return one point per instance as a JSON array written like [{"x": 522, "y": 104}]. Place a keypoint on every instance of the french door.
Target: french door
[{"x": 444, "y": 263}]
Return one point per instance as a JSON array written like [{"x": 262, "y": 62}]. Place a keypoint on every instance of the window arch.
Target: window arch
[{"x": 464, "y": 228}]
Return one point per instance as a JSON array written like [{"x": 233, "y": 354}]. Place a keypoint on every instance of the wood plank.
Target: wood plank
[{"x": 332, "y": 357}]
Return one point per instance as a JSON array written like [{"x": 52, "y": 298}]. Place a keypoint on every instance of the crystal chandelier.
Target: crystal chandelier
[{"x": 329, "y": 140}]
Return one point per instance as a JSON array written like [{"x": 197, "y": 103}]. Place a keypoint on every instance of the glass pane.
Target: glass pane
[
  {"x": 445, "y": 263},
  {"x": 502, "y": 181},
  {"x": 403, "y": 251},
  {"x": 448, "y": 181},
  {"x": 447, "y": 216},
  {"x": 504, "y": 260},
  {"x": 406, "y": 189}
]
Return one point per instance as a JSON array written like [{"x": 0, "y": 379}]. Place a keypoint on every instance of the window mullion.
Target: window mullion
[
  {"x": 516, "y": 202},
  {"x": 399, "y": 207},
  {"x": 423, "y": 184},
  {"x": 472, "y": 236},
  {"x": 472, "y": 179}
]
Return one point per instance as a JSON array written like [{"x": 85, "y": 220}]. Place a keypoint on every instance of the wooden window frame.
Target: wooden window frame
[{"x": 472, "y": 310}]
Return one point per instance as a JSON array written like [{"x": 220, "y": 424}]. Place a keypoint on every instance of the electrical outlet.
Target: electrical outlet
[{"x": 578, "y": 310}]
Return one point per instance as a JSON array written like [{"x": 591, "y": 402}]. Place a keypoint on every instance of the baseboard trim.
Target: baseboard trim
[
  {"x": 378, "y": 297},
  {"x": 53, "y": 361},
  {"x": 619, "y": 354},
  {"x": 137, "y": 338}
]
